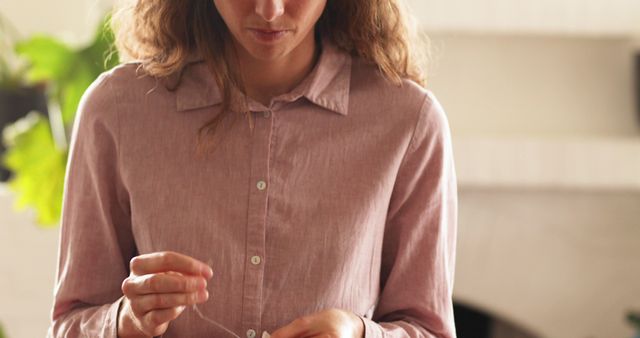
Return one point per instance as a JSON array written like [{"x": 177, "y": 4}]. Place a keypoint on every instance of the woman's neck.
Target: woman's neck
[{"x": 265, "y": 79}]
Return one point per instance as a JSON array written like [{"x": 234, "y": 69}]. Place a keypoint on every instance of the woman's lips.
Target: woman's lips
[{"x": 268, "y": 36}]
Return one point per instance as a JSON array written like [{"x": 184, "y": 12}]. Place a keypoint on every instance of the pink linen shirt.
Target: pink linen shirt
[{"x": 343, "y": 195}]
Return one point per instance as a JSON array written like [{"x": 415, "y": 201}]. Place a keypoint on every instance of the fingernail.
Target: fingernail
[
  {"x": 204, "y": 295},
  {"x": 208, "y": 272}
]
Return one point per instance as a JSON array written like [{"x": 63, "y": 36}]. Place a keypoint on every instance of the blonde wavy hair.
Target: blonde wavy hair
[{"x": 162, "y": 34}]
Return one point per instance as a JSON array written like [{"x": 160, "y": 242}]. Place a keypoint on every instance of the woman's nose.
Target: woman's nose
[{"x": 269, "y": 10}]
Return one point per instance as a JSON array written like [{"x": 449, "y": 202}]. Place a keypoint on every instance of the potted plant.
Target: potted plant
[
  {"x": 37, "y": 143},
  {"x": 16, "y": 97}
]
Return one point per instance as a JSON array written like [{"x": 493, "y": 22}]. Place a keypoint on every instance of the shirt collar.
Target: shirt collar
[{"x": 327, "y": 85}]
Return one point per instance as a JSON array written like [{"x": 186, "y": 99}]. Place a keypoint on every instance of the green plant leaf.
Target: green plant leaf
[
  {"x": 2, "y": 334},
  {"x": 50, "y": 59},
  {"x": 70, "y": 92},
  {"x": 38, "y": 166},
  {"x": 90, "y": 62},
  {"x": 101, "y": 52}
]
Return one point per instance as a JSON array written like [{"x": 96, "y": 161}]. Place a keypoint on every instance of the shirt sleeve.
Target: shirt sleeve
[
  {"x": 418, "y": 255},
  {"x": 96, "y": 242}
]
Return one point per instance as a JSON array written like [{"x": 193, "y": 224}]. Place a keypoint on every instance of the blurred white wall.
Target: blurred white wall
[
  {"x": 561, "y": 263},
  {"x": 566, "y": 17},
  {"x": 71, "y": 20},
  {"x": 531, "y": 85},
  {"x": 28, "y": 265}
]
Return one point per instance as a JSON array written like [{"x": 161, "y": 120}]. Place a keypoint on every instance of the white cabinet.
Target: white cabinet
[
  {"x": 574, "y": 17},
  {"x": 558, "y": 164}
]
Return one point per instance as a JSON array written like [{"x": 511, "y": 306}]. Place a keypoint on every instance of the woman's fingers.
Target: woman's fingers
[
  {"x": 164, "y": 261},
  {"x": 154, "y": 322},
  {"x": 144, "y": 304},
  {"x": 158, "y": 289},
  {"x": 301, "y": 327},
  {"x": 162, "y": 283}
]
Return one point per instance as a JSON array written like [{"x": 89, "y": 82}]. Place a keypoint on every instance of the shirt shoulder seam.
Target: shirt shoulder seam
[{"x": 413, "y": 133}]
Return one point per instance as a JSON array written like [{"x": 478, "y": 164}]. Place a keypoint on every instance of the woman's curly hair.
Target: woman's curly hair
[{"x": 162, "y": 34}]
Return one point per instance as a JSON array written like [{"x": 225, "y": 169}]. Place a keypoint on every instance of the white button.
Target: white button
[
  {"x": 266, "y": 113},
  {"x": 251, "y": 333},
  {"x": 261, "y": 185},
  {"x": 255, "y": 260}
]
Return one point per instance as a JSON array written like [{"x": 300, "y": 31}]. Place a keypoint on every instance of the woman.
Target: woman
[{"x": 289, "y": 144}]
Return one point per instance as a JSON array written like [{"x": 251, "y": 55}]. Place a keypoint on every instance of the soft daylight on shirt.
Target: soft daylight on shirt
[{"x": 343, "y": 195}]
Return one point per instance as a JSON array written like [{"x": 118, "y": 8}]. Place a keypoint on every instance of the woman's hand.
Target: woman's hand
[
  {"x": 160, "y": 286},
  {"x": 333, "y": 323}
]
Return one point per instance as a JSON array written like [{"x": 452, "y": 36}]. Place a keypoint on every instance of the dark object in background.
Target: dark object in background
[
  {"x": 476, "y": 323},
  {"x": 471, "y": 323},
  {"x": 15, "y": 103},
  {"x": 634, "y": 317}
]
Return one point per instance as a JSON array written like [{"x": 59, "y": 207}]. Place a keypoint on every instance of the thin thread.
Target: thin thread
[{"x": 197, "y": 310}]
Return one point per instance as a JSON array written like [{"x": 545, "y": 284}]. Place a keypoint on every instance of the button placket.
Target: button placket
[{"x": 256, "y": 223}]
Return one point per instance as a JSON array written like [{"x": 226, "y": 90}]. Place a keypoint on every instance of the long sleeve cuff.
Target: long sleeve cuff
[
  {"x": 112, "y": 317},
  {"x": 371, "y": 328},
  {"x": 94, "y": 321}
]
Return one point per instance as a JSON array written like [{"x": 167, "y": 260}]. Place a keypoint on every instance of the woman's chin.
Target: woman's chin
[
  {"x": 267, "y": 53},
  {"x": 271, "y": 49}
]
